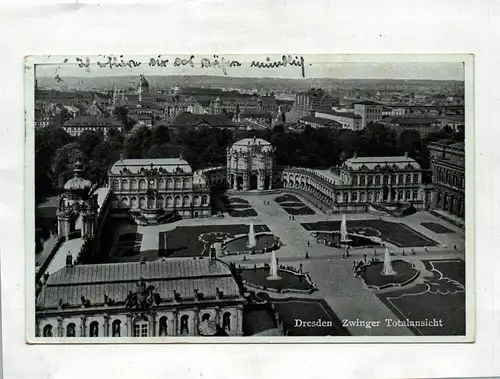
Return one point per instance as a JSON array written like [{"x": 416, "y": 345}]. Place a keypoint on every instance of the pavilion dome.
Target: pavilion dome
[
  {"x": 77, "y": 183},
  {"x": 251, "y": 144}
]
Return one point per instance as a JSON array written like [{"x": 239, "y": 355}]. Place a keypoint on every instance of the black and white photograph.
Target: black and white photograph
[{"x": 288, "y": 197}]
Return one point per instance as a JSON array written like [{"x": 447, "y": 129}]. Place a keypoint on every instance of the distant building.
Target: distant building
[
  {"x": 448, "y": 177},
  {"x": 305, "y": 102},
  {"x": 348, "y": 120},
  {"x": 369, "y": 111},
  {"x": 202, "y": 121},
  {"x": 269, "y": 104},
  {"x": 149, "y": 299},
  {"x": 144, "y": 92},
  {"x": 316, "y": 122},
  {"x": 153, "y": 188},
  {"x": 423, "y": 125},
  {"x": 78, "y": 125}
]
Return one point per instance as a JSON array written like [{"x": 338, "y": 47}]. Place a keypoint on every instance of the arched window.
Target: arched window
[
  {"x": 133, "y": 203},
  {"x": 177, "y": 183},
  {"x": 184, "y": 325},
  {"x": 408, "y": 178},
  {"x": 377, "y": 180},
  {"x": 415, "y": 178},
  {"x": 170, "y": 202},
  {"x": 400, "y": 179},
  {"x": 408, "y": 195},
  {"x": 354, "y": 180},
  {"x": 346, "y": 197},
  {"x": 370, "y": 180},
  {"x": 142, "y": 202},
  {"x": 204, "y": 200},
  {"x": 196, "y": 200},
  {"x": 178, "y": 201},
  {"x": 141, "y": 327},
  {"x": 170, "y": 183},
  {"x": 116, "y": 185},
  {"x": 94, "y": 329},
  {"x": 161, "y": 202},
  {"x": 226, "y": 321},
  {"x": 133, "y": 184},
  {"x": 124, "y": 185},
  {"x": 161, "y": 184},
  {"x": 47, "y": 331},
  {"x": 415, "y": 195},
  {"x": 205, "y": 317},
  {"x": 142, "y": 184},
  {"x": 116, "y": 328},
  {"x": 186, "y": 201},
  {"x": 71, "y": 330},
  {"x": 163, "y": 326}
]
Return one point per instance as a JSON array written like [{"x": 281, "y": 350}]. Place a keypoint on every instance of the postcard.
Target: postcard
[{"x": 249, "y": 198}]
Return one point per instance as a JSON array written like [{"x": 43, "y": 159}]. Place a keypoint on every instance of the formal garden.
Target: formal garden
[
  {"x": 293, "y": 205},
  {"x": 237, "y": 207},
  {"x": 396, "y": 233}
]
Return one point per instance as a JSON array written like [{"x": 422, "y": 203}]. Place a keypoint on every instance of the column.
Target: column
[
  {"x": 462, "y": 209},
  {"x": 235, "y": 182},
  {"x": 106, "y": 326},
  {"x": 60, "y": 331},
  {"x": 349, "y": 199},
  {"x": 245, "y": 182},
  {"x": 260, "y": 182},
  {"x": 83, "y": 326},
  {"x": 152, "y": 325},
  {"x": 175, "y": 323},
  {"x": 217, "y": 315},
  {"x": 450, "y": 204},
  {"x": 239, "y": 317},
  {"x": 196, "y": 320},
  {"x": 129, "y": 325}
]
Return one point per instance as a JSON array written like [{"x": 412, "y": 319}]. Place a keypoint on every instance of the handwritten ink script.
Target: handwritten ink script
[{"x": 214, "y": 61}]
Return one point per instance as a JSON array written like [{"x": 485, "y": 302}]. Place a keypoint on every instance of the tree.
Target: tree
[
  {"x": 63, "y": 163},
  {"x": 410, "y": 142},
  {"x": 88, "y": 141},
  {"x": 161, "y": 135},
  {"x": 103, "y": 158},
  {"x": 138, "y": 143},
  {"x": 121, "y": 113}
]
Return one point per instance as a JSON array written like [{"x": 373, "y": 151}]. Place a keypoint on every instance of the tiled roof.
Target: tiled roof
[
  {"x": 135, "y": 165},
  {"x": 335, "y": 113},
  {"x": 92, "y": 121},
  {"x": 184, "y": 275},
  {"x": 320, "y": 121},
  {"x": 189, "y": 119},
  {"x": 367, "y": 102}
]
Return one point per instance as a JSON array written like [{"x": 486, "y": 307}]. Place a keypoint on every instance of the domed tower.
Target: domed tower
[
  {"x": 76, "y": 210},
  {"x": 143, "y": 89}
]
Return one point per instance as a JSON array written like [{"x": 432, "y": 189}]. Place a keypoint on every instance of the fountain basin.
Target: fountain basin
[
  {"x": 289, "y": 281},
  {"x": 405, "y": 273},
  {"x": 238, "y": 245},
  {"x": 353, "y": 239}
]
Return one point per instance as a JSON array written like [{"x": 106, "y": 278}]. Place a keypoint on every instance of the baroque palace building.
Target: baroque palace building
[
  {"x": 152, "y": 187},
  {"x": 362, "y": 183},
  {"x": 250, "y": 164},
  {"x": 167, "y": 297},
  {"x": 448, "y": 177}
]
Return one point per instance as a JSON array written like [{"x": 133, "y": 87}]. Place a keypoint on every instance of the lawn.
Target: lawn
[
  {"x": 436, "y": 228},
  {"x": 441, "y": 297},
  {"x": 191, "y": 241},
  {"x": 293, "y": 206},
  {"x": 237, "y": 207},
  {"x": 396, "y": 233}
]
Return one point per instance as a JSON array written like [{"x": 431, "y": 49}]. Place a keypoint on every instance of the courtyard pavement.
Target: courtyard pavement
[{"x": 347, "y": 296}]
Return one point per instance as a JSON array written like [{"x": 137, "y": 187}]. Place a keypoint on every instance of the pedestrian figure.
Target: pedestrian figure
[
  {"x": 309, "y": 244},
  {"x": 353, "y": 264},
  {"x": 454, "y": 247},
  {"x": 425, "y": 249},
  {"x": 365, "y": 258},
  {"x": 307, "y": 255},
  {"x": 404, "y": 253}
]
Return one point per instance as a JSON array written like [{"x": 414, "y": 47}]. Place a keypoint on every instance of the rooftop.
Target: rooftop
[
  {"x": 321, "y": 121},
  {"x": 92, "y": 121},
  {"x": 134, "y": 166},
  {"x": 370, "y": 163},
  {"x": 183, "y": 275},
  {"x": 335, "y": 113},
  {"x": 193, "y": 120}
]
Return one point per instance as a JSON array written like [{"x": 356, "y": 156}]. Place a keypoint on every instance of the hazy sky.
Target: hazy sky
[{"x": 315, "y": 66}]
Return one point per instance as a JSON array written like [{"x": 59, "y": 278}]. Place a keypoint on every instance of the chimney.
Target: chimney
[{"x": 121, "y": 157}]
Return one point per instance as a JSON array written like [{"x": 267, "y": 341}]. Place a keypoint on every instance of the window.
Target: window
[
  {"x": 354, "y": 196},
  {"x": 204, "y": 200},
  {"x": 415, "y": 195},
  {"x": 408, "y": 179},
  {"x": 205, "y": 317},
  {"x": 401, "y": 179},
  {"x": 376, "y": 197},
  {"x": 47, "y": 331},
  {"x": 177, "y": 183},
  {"x": 415, "y": 178},
  {"x": 184, "y": 325},
  {"x": 354, "y": 180},
  {"x": 362, "y": 197},
  {"x": 377, "y": 180},
  {"x": 370, "y": 180},
  {"x": 362, "y": 180},
  {"x": 116, "y": 328},
  {"x": 408, "y": 195},
  {"x": 141, "y": 329},
  {"x": 393, "y": 179},
  {"x": 94, "y": 329},
  {"x": 226, "y": 321},
  {"x": 70, "y": 330},
  {"x": 163, "y": 326},
  {"x": 386, "y": 179}
]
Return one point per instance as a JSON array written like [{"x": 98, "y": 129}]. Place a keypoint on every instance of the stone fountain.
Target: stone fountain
[
  {"x": 251, "y": 242},
  {"x": 387, "y": 270},
  {"x": 273, "y": 272},
  {"x": 344, "y": 237}
]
